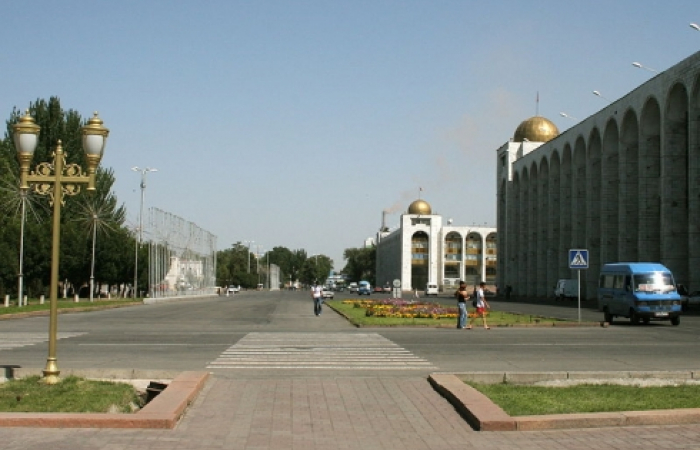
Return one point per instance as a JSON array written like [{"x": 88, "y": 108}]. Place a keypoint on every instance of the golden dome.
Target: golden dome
[
  {"x": 536, "y": 129},
  {"x": 420, "y": 207}
]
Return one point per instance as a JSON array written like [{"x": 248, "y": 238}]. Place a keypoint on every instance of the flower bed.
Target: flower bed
[{"x": 407, "y": 309}]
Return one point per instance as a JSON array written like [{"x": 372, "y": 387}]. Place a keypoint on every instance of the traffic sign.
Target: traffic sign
[{"x": 578, "y": 259}]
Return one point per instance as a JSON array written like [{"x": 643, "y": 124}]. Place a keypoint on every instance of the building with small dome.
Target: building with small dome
[
  {"x": 423, "y": 249},
  {"x": 621, "y": 184}
]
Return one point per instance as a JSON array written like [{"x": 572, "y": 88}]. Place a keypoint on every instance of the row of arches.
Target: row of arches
[
  {"x": 471, "y": 256},
  {"x": 627, "y": 190}
]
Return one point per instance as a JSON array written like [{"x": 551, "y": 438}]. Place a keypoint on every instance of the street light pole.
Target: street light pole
[
  {"x": 20, "y": 281},
  {"x": 249, "y": 242},
  {"x": 57, "y": 179},
  {"x": 92, "y": 265},
  {"x": 139, "y": 241}
]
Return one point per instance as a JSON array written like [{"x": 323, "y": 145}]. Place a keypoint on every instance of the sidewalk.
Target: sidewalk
[{"x": 339, "y": 413}]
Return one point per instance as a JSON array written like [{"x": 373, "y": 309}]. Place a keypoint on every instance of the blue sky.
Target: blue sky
[{"x": 296, "y": 123}]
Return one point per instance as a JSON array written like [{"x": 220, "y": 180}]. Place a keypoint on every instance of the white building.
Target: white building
[
  {"x": 424, "y": 250},
  {"x": 622, "y": 184}
]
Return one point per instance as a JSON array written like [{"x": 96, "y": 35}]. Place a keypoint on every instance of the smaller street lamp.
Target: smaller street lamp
[
  {"x": 598, "y": 94},
  {"x": 563, "y": 114},
  {"x": 139, "y": 241},
  {"x": 641, "y": 66},
  {"x": 695, "y": 26},
  {"x": 249, "y": 242}
]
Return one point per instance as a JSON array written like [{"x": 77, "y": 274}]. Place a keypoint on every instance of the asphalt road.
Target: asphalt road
[{"x": 275, "y": 334}]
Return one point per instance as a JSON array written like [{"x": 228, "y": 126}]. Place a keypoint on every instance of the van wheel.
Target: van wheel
[
  {"x": 608, "y": 317},
  {"x": 634, "y": 318},
  {"x": 675, "y": 321}
]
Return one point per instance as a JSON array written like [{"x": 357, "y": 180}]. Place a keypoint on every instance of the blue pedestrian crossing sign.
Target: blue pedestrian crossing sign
[{"x": 578, "y": 259}]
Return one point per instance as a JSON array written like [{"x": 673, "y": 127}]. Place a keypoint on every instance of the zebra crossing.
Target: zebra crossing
[
  {"x": 12, "y": 340},
  {"x": 352, "y": 351}
]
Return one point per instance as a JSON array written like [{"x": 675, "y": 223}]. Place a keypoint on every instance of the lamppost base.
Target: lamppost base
[{"x": 51, "y": 372}]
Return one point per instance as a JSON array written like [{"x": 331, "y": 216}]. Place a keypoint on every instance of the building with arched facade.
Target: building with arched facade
[
  {"x": 622, "y": 184},
  {"x": 423, "y": 250}
]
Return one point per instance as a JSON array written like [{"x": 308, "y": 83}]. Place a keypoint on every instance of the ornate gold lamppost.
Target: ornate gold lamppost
[{"x": 57, "y": 179}]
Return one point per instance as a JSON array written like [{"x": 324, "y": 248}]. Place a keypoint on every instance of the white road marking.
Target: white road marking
[{"x": 317, "y": 351}]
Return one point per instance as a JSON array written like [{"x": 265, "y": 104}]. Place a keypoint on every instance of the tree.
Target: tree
[
  {"x": 75, "y": 256},
  {"x": 316, "y": 269},
  {"x": 360, "y": 264},
  {"x": 232, "y": 267}
]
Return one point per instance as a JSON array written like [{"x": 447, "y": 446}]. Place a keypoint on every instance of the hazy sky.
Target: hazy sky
[{"x": 296, "y": 123}]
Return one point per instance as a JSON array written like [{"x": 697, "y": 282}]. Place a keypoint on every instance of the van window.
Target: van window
[
  {"x": 606, "y": 281},
  {"x": 617, "y": 283},
  {"x": 652, "y": 282},
  {"x": 628, "y": 283}
]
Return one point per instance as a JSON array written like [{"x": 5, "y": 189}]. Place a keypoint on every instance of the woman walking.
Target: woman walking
[{"x": 481, "y": 306}]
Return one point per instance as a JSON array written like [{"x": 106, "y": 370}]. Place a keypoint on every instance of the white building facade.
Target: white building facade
[
  {"x": 622, "y": 184},
  {"x": 424, "y": 250}
]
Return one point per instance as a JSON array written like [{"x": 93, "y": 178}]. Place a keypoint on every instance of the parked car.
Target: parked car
[
  {"x": 688, "y": 299},
  {"x": 352, "y": 287},
  {"x": 364, "y": 288},
  {"x": 378, "y": 289},
  {"x": 327, "y": 293},
  {"x": 431, "y": 289},
  {"x": 566, "y": 289},
  {"x": 233, "y": 290},
  {"x": 386, "y": 288},
  {"x": 693, "y": 300}
]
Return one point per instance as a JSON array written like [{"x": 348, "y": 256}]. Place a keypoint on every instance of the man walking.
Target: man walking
[
  {"x": 317, "y": 296},
  {"x": 462, "y": 295}
]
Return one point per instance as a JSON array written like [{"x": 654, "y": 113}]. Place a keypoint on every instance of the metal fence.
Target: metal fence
[{"x": 182, "y": 256}]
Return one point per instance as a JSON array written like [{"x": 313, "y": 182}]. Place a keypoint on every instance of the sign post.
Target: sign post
[
  {"x": 397, "y": 288},
  {"x": 578, "y": 259}
]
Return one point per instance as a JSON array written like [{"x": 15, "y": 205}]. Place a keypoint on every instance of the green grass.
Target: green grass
[
  {"x": 71, "y": 394},
  {"x": 495, "y": 318},
  {"x": 64, "y": 304},
  {"x": 519, "y": 400}
]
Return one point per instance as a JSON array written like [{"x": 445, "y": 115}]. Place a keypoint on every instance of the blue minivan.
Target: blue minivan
[
  {"x": 638, "y": 291},
  {"x": 364, "y": 288}
]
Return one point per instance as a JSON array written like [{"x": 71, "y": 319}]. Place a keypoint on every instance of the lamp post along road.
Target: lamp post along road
[
  {"x": 92, "y": 263},
  {"x": 57, "y": 179},
  {"x": 249, "y": 242},
  {"x": 20, "y": 281},
  {"x": 139, "y": 240}
]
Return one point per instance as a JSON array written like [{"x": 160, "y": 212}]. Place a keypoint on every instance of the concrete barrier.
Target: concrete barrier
[{"x": 163, "y": 412}]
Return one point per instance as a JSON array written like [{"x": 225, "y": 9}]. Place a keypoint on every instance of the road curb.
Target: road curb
[
  {"x": 163, "y": 411},
  {"x": 484, "y": 415}
]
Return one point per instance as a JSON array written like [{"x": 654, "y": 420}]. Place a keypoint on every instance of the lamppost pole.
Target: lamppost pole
[
  {"x": 57, "y": 179},
  {"x": 20, "y": 276},
  {"x": 249, "y": 242},
  {"x": 139, "y": 241},
  {"x": 92, "y": 265}
]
